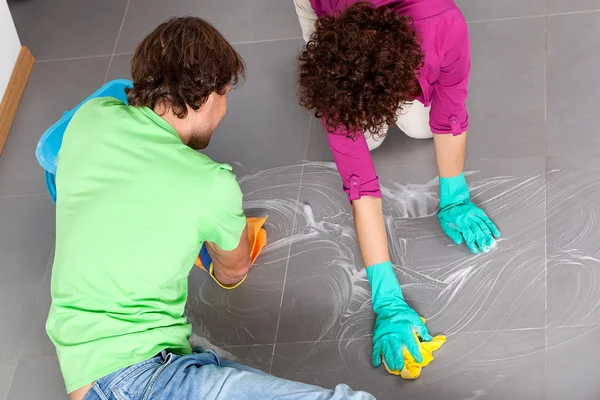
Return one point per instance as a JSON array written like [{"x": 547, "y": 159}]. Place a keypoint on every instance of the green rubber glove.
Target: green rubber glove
[
  {"x": 395, "y": 321},
  {"x": 462, "y": 220}
]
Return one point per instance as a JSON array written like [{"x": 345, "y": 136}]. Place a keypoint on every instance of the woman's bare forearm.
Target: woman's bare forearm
[
  {"x": 450, "y": 154},
  {"x": 370, "y": 230}
]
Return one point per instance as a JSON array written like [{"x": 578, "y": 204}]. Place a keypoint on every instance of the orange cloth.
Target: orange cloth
[{"x": 257, "y": 236}]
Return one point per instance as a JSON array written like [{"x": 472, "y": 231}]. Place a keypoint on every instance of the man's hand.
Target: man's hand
[
  {"x": 395, "y": 323},
  {"x": 462, "y": 220},
  {"x": 229, "y": 268}
]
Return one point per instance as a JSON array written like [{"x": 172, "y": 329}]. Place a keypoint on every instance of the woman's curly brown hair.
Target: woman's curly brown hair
[
  {"x": 359, "y": 67},
  {"x": 181, "y": 63}
]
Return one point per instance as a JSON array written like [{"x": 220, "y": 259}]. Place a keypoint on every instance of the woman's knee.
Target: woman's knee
[{"x": 413, "y": 120}]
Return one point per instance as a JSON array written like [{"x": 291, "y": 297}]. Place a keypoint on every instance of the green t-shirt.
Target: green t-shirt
[{"x": 134, "y": 205}]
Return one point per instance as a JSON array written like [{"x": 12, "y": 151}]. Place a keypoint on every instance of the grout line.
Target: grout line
[
  {"x": 573, "y": 326},
  {"x": 477, "y": 21},
  {"x": 266, "y": 40},
  {"x": 310, "y": 121},
  {"x": 116, "y": 41},
  {"x": 37, "y": 358},
  {"x": 71, "y": 58},
  {"x": 289, "y": 249},
  {"x": 574, "y": 12},
  {"x": 581, "y": 152},
  {"x": 30, "y": 319},
  {"x": 545, "y": 15},
  {"x": 546, "y": 205},
  {"x": 10, "y": 382},
  {"x": 12, "y": 196}
]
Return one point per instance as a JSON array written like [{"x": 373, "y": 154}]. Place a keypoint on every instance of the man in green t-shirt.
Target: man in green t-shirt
[{"x": 135, "y": 203}]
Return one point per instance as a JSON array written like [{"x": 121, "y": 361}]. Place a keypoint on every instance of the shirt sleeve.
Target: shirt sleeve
[
  {"x": 448, "y": 104},
  {"x": 226, "y": 215},
  {"x": 354, "y": 164}
]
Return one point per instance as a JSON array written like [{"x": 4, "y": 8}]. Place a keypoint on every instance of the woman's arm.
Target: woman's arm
[
  {"x": 370, "y": 230},
  {"x": 368, "y": 211},
  {"x": 360, "y": 182},
  {"x": 459, "y": 218},
  {"x": 450, "y": 154}
]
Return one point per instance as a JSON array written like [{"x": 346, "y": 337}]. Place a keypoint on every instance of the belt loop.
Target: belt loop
[{"x": 164, "y": 355}]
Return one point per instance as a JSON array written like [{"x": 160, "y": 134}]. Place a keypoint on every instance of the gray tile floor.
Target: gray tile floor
[{"x": 523, "y": 322}]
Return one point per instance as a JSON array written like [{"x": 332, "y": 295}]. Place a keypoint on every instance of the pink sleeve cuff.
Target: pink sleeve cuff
[
  {"x": 353, "y": 161},
  {"x": 356, "y": 189}
]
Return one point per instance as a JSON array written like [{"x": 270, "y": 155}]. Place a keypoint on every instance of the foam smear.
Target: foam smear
[{"x": 455, "y": 290}]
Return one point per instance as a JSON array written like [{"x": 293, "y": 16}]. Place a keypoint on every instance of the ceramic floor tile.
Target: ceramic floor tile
[
  {"x": 38, "y": 378},
  {"x": 68, "y": 28},
  {"x": 506, "y": 88},
  {"x": 476, "y": 10},
  {"x": 119, "y": 67},
  {"x": 317, "y": 147},
  {"x": 248, "y": 315},
  {"x": 53, "y": 88},
  {"x": 243, "y": 21},
  {"x": 573, "y": 240},
  {"x": 571, "y": 359},
  {"x": 484, "y": 365},
  {"x": 26, "y": 240},
  {"x": 572, "y": 84},
  {"x": 7, "y": 371},
  {"x": 327, "y": 295},
  {"x": 37, "y": 343},
  {"x": 562, "y": 6},
  {"x": 456, "y": 291},
  {"x": 264, "y": 126}
]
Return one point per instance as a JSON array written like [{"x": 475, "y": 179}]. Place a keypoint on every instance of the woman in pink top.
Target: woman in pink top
[{"x": 369, "y": 65}]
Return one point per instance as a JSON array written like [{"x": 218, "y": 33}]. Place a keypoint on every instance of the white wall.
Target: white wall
[{"x": 9, "y": 46}]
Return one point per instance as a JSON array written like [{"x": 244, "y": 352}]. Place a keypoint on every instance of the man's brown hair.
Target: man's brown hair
[
  {"x": 359, "y": 67},
  {"x": 181, "y": 63}
]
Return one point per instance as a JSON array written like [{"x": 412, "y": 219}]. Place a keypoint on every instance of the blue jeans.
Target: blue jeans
[{"x": 203, "y": 375}]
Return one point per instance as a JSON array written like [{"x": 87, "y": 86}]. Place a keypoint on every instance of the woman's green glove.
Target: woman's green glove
[
  {"x": 396, "y": 322},
  {"x": 460, "y": 218}
]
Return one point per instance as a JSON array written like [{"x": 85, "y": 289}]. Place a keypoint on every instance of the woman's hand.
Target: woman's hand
[
  {"x": 459, "y": 218},
  {"x": 395, "y": 323},
  {"x": 462, "y": 220}
]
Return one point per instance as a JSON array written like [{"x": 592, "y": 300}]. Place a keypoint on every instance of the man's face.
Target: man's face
[{"x": 209, "y": 116}]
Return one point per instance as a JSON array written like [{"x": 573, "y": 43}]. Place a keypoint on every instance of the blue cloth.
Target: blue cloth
[
  {"x": 205, "y": 258},
  {"x": 204, "y": 376}
]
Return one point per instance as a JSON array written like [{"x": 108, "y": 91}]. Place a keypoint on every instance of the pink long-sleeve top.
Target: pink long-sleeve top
[{"x": 443, "y": 80}]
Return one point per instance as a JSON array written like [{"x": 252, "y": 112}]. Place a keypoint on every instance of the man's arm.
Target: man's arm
[
  {"x": 230, "y": 267},
  {"x": 225, "y": 232}
]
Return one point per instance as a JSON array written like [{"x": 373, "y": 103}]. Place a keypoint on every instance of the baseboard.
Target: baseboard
[{"x": 14, "y": 91}]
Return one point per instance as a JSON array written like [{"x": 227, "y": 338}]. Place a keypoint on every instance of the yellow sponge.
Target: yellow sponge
[{"x": 412, "y": 369}]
